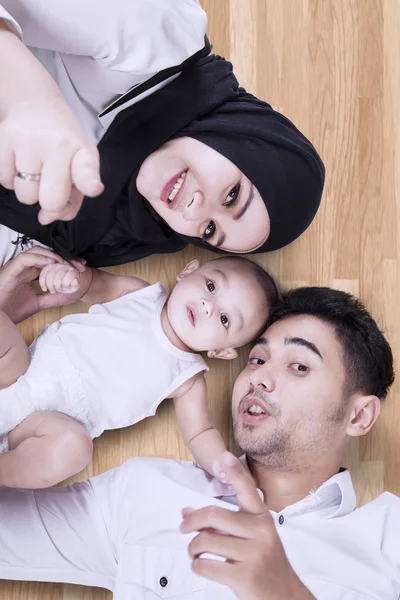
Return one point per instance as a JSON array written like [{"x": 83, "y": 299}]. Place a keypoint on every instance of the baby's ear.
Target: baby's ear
[
  {"x": 225, "y": 353},
  {"x": 189, "y": 269}
]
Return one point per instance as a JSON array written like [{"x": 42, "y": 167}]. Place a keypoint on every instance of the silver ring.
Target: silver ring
[{"x": 28, "y": 176}]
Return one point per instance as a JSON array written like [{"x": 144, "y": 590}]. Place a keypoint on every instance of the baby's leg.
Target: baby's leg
[
  {"x": 14, "y": 353},
  {"x": 45, "y": 449}
]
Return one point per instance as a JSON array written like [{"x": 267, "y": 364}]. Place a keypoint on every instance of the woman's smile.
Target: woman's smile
[{"x": 173, "y": 190}]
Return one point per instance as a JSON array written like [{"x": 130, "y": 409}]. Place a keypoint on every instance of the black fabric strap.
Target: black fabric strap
[{"x": 159, "y": 78}]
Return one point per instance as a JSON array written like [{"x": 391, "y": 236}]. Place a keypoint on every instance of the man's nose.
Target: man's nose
[
  {"x": 263, "y": 378},
  {"x": 194, "y": 208},
  {"x": 207, "y": 307}
]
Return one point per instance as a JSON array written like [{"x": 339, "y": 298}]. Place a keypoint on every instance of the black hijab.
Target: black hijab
[{"x": 206, "y": 103}]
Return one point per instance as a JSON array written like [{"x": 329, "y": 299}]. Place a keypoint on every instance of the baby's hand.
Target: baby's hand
[{"x": 63, "y": 278}]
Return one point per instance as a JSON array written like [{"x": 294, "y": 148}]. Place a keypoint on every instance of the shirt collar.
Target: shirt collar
[{"x": 336, "y": 494}]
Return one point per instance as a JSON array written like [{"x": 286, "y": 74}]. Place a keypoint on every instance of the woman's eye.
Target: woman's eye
[
  {"x": 232, "y": 196},
  {"x": 210, "y": 286},
  {"x": 300, "y": 368},
  {"x": 225, "y": 321},
  {"x": 209, "y": 231},
  {"x": 256, "y": 361}
]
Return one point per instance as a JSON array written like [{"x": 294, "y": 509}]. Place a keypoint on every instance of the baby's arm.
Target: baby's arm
[
  {"x": 45, "y": 449},
  {"x": 194, "y": 419},
  {"x": 93, "y": 286},
  {"x": 14, "y": 353}
]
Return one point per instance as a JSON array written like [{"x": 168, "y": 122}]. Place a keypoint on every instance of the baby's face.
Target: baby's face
[{"x": 219, "y": 305}]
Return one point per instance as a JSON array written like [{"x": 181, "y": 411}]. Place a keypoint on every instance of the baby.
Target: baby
[{"x": 113, "y": 366}]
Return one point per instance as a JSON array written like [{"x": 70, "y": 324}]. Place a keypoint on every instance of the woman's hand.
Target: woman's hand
[
  {"x": 253, "y": 562},
  {"x": 41, "y": 136},
  {"x": 18, "y": 299}
]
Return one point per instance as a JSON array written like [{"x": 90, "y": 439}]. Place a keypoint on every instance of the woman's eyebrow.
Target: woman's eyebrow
[{"x": 245, "y": 206}]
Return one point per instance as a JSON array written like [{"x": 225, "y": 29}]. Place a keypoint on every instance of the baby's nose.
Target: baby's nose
[{"x": 207, "y": 306}]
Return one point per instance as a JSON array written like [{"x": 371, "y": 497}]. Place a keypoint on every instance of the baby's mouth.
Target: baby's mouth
[{"x": 191, "y": 316}]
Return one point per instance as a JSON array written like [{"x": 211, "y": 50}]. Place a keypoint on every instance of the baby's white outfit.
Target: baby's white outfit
[{"x": 108, "y": 368}]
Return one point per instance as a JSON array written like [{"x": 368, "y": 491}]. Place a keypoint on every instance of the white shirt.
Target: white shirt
[
  {"x": 120, "y": 531},
  {"x": 97, "y": 50}
]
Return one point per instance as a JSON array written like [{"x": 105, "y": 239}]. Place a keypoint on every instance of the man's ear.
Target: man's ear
[
  {"x": 364, "y": 413},
  {"x": 189, "y": 269},
  {"x": 224, "y": 353}
]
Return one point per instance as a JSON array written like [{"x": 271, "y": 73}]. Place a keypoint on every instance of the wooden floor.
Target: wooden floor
[{"x": 333, "y": 67}]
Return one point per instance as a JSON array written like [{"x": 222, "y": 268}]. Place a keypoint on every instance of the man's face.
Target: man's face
[{"x": 288, "y": 404}]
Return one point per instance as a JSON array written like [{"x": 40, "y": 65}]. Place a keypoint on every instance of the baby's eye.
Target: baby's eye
[
  {"x": 300, "y": 368},
  {"x": 209, "y": 231},
  {"x": 256, "y": 361},
  {"x": 210, "y": 286},
  {"x": 224, "y": 321}
]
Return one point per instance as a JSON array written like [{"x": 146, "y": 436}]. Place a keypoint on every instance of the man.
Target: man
[{"x": 314, "y": 380}]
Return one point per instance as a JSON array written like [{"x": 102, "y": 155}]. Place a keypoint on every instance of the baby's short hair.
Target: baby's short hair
[{"x": 264, "y": 279}]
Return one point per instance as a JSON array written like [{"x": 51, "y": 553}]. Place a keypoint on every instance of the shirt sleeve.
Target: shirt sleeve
[
  {"x": 134, "y": 36},
  {"x": 56, "y": 535},
  {"x": 11, "y": 22}
]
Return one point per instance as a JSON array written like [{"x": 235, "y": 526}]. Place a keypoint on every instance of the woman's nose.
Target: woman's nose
[
  {"x": 207, "y": 307},
  {"x": 194, "y": 207},
  {"x": 262, "y": 378}
]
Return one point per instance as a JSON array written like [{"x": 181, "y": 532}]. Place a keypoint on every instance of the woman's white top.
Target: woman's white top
[
  {"x": 108, "y": 368},
  {"x": 98, "y": 50}
]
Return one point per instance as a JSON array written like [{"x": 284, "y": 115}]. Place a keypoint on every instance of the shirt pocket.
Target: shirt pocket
[{"x": 151, "y": 572}]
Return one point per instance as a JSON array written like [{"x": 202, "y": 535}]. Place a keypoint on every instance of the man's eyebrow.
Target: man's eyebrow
[
  {"x": 262, "y": 341},
  {"x": 305, "y": 343},
  {"x": 245, "y": 205}
]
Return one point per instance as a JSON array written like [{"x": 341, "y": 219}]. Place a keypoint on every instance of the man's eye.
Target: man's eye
[
  {"x": 256, "y": 361},
  {"x": 232, "y": 196},
  {"x": 209, "y": 231},
  {"x": 225, "y": 321},
  {"x": 210, "y": 286},
  {"x": 300, "y": 368}
]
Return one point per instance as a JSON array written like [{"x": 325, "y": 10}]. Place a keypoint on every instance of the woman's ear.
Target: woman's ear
[
  {"x": 225, "y": 353},
  {"x": 364, "y": 413},
  {"x": 189, "y": 269}
]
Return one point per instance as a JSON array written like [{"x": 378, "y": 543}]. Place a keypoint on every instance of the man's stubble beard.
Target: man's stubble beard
[{"x": 291, "y": 448}]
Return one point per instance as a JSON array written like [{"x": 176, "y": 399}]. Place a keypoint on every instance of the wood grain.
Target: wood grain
[{"x": 333, "y": 68}]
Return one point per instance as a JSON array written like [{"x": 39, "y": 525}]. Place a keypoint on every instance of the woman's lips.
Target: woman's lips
[
  {"x": 171, "y": 204},
  {"x": 191, "y": 316}
]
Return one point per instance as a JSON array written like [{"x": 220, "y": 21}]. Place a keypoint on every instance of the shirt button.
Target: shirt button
[
  {"x": 281, "y": 520},
  {"x": 163, "y": 582}
]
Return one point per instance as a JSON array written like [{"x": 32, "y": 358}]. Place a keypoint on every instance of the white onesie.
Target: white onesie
[{"x": 108, "y": 368}]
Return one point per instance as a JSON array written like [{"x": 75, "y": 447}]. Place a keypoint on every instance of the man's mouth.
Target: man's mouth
[
  {"x": 173, "y": 190},
  {"x": 191, "y": 316},
  {"x": 254, "y": 410}
]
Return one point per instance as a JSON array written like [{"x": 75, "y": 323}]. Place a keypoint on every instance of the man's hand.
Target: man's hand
[
  {"x": 254, "y": 564},
  {"x": 18, "y": 299}
]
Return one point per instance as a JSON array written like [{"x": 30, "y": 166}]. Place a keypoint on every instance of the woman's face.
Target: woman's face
[{"x": 202, "y": 194}]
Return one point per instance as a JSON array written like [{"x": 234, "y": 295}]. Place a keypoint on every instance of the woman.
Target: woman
[{"x": 197, "y": 159}]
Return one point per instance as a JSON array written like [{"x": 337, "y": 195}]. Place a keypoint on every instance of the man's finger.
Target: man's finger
[
  {"x": 222, "y": 572},
  {"x": 222, "y": 520},
  {"x": 210, "y": 542},
  {"x": 242, "y": 482}
]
